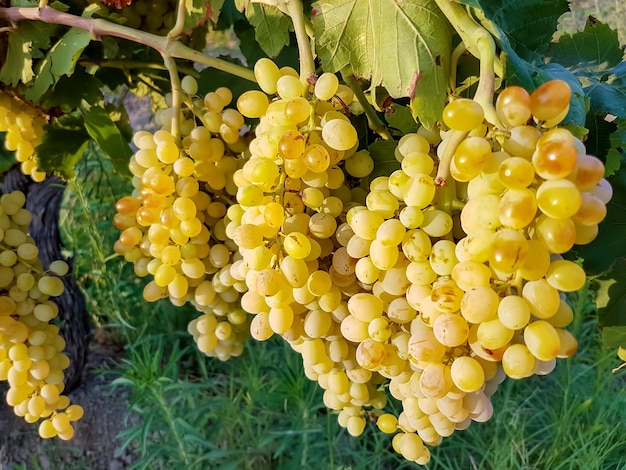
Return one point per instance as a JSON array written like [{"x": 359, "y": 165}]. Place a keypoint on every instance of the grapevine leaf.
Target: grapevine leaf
[
  {"x": 590, "y": 52},
  {"x": 385, "y": 163},
  {"x": 109, "y": 138},
  {"x": 60, "y": 60},
  {"x": 615, "y": 153},
  {"x": 271, "y": 27},
  {"x": 61, "y": 149},
  {"x": 609, "y": 93},
  {"x": 71, "y": 91},
  {"x": 614, "y": 336},
  {"x": 7, "y": 159},
  {"x": 610, "y": 244},
  {"x": 25, "y": 44},
  {"x": 399, "y": 117},
  {"x": 528, "y": 25},
  {"x": 195, "y": 13},
  {"x": 610, "y": 290},
  {"x": 403, "y": 46},
  {"x": 598, "y": 141},
  {"x": 214, "y": 8}
]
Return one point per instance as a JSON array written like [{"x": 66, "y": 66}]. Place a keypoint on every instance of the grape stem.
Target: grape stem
[
  {"x": 480, "y": 44},
  {"x": 307, "y": 65},
  {"x": 170, "y": 63},
  {"x": 178, "y": 28},
  {"x": 375, "y": 123},
  {"x": 99, "y": 27},
  {"x": 135, "y": 64},
  {"x": 443, "y": 169}
]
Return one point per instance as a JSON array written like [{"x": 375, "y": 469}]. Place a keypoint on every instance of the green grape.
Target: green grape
[
  {"x": 467, "y": 374},
  {"x": 339, "y": 134},
  {"x": 267, "y": 74},
  {"x": 326, "y": 86},
  {"x": 518, "y": 362},
  {"x": 463, "y": 114},
  {"x": 514, "y": 312},
  {"x": 360, "y": 164},
  {"x": 566, "y": 276}
]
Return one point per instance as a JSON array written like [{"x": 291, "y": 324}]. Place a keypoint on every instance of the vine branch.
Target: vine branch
[
  {"x": 307, "y": 64},
  {"x": 479, "y": 43},
  {"x": 373, "y": 120},
  {"x": 99, "y": 27}
]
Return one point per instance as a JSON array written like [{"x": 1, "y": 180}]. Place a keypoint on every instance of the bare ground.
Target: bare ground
[{"x": 94, "y": 446}]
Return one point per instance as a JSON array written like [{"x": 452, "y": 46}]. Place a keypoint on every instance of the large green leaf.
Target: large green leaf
[
  {"x": 271, "y": 27},
  {"x": 403, "y": 46},
  {"x": 590, "y": 52},
  {"x": 528, "y": 24},
  {"x": 595, "y": 56},
  {"x": 26, "y": 42},
  {"x": 609, "y": 93},
  {"x": 109, "y": 138},
  {"x": 60, "y": 60},
  {"x": 70, "y": 91}
]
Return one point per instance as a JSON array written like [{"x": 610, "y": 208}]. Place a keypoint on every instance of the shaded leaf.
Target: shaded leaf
[
  {"x": 609, "y": 93},
  {"x": 598, "y": 141},
  {"x": 71, "y": 91},
  {"x": 400, "y": 118},
  {"x": 61, "y": 149},
  {"x": 610, "y": 298},
  {"x": 271, "y": 27},
  {"x": 590, "y": 52},
  {"x": 614, "y": 336},
  {"x": 60, "y": 60},
  {"x": 385, "y": 163},
  {"x": 109, "y": 138},
  {"x": 403, "y": 46}
]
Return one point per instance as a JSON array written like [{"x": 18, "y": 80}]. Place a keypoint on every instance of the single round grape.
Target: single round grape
[
  {"x": 550, "y": 99},
  {"x": 463, "y": 114}
]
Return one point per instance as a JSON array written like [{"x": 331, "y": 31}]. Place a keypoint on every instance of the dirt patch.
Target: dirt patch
[{"x": 94, "y": 446}]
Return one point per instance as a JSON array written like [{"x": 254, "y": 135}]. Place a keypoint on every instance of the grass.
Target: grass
[{"x": 259, "y": 411}]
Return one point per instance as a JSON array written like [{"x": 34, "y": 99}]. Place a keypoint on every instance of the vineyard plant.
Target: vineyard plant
[{"x": 347, "y": 234}]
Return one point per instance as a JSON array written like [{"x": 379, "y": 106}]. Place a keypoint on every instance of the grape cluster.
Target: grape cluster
[
  {"x": 152, "y": 16},
  {"x": 436, "y": 282},
  {"x": 31, "y": 350},
  {"x": 23, "y": 125},
  {"x": 174, "y": 224}
]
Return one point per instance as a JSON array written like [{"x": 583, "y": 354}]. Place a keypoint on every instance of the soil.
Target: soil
[{"x": 95, "y": 445}]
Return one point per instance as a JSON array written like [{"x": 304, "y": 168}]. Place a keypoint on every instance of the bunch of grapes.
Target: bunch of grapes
[
  {"x": 152, "y": 16},
  {"x": 23, "y": 125},
  {"x": 437, "y": 281},
  {"x": 31, "y": 350},
  {"x": 174, "y": 224}
]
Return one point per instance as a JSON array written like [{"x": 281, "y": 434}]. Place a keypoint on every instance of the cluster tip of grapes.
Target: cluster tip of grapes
[
  {"x": 31, "y": 349},
  {"x": 23, "y": 125},
  {"x": 174, "y": 224}
]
